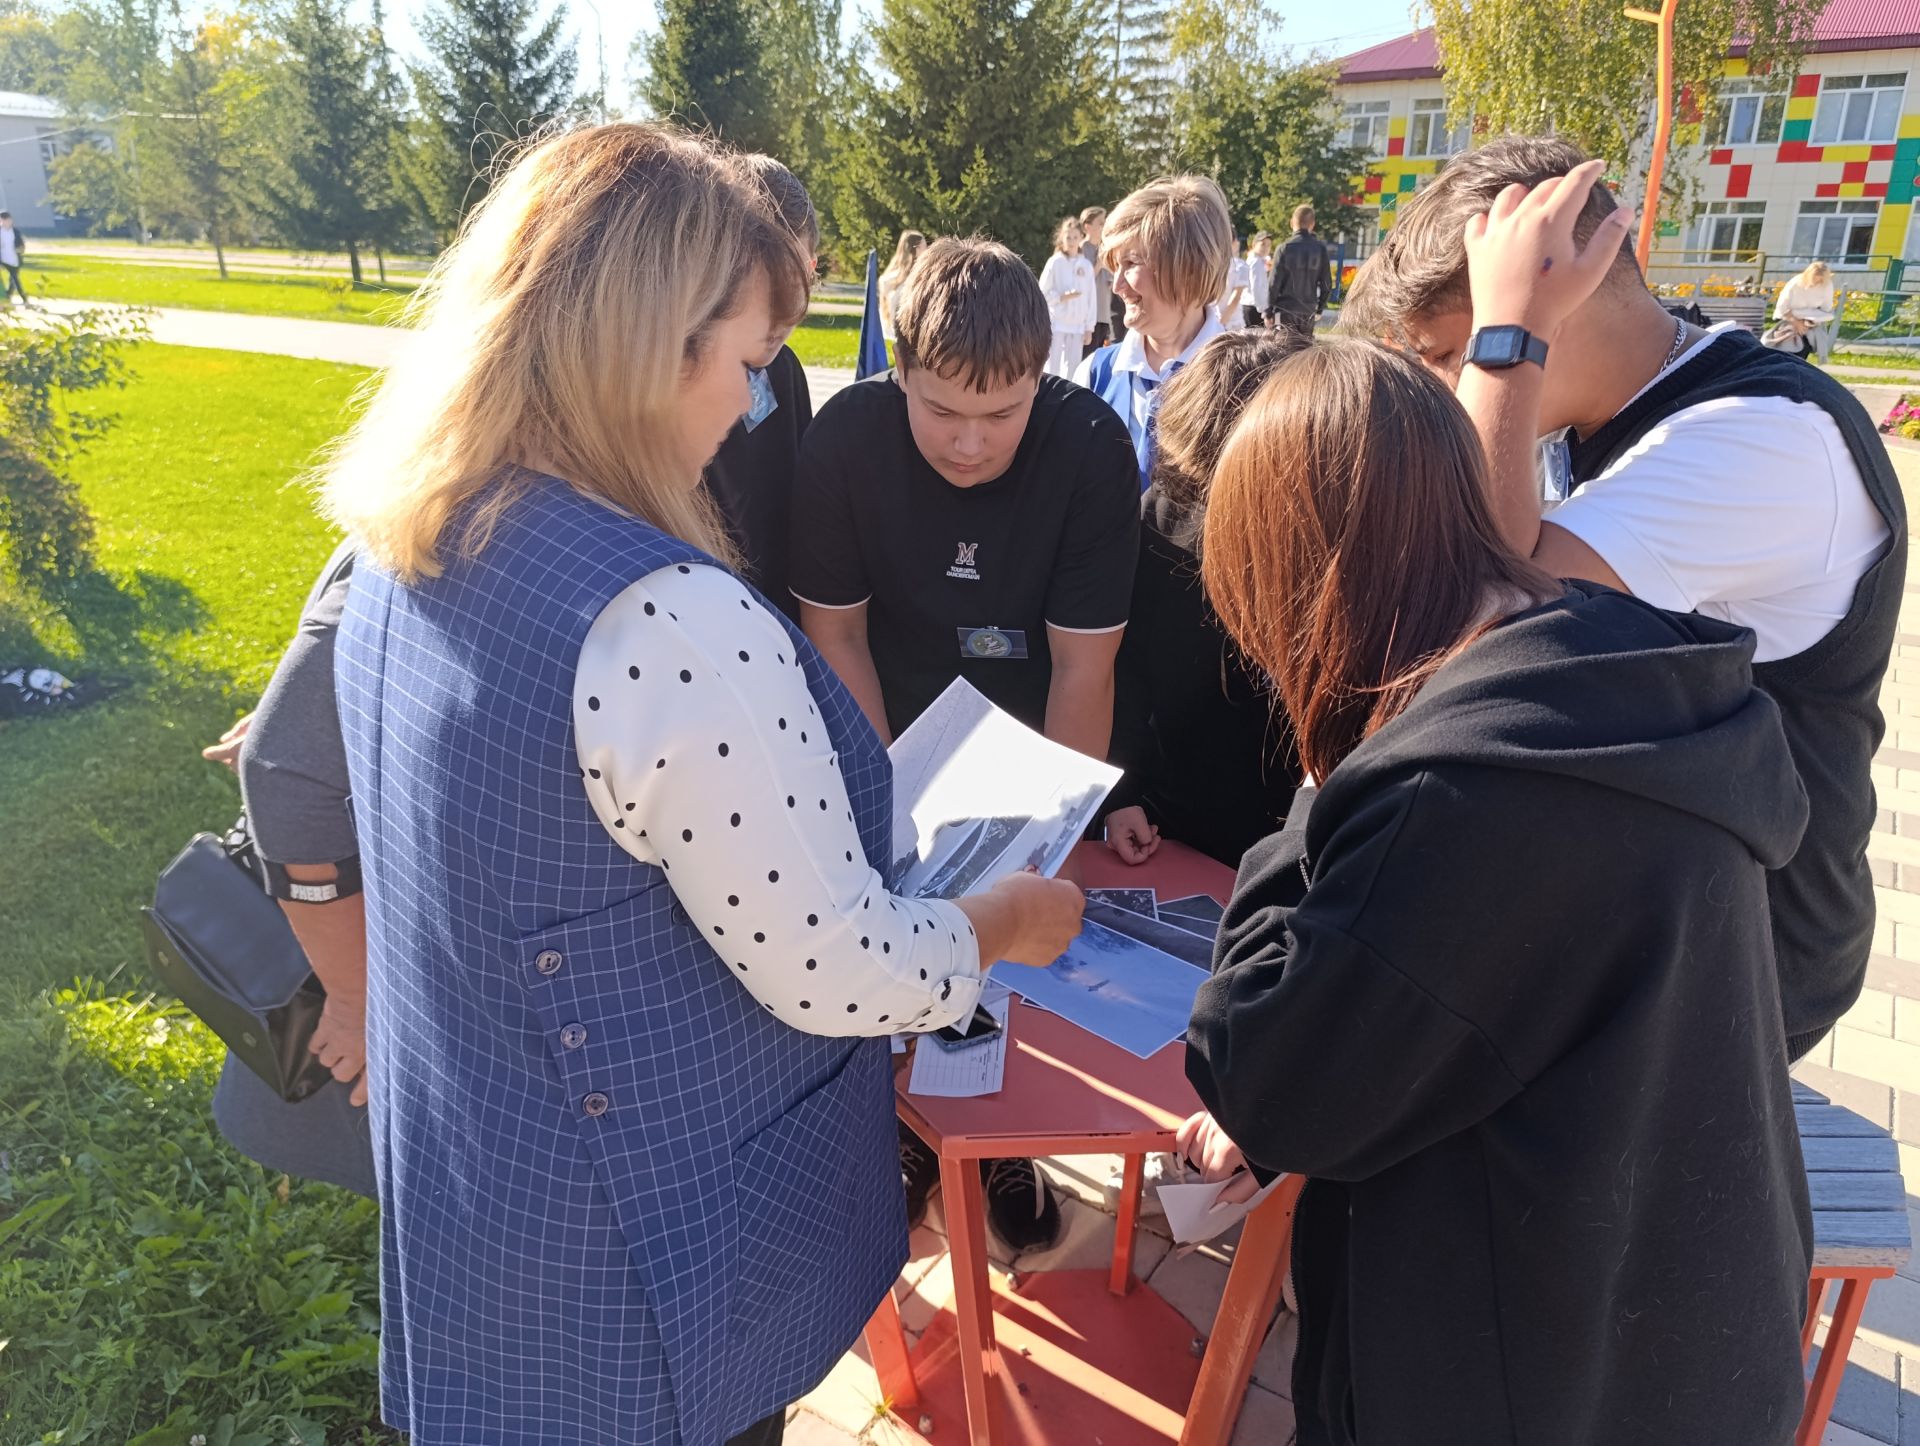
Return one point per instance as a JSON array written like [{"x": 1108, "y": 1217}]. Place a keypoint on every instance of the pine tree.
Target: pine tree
[
  {"x": 992, "y": 116},
  {"x": 1141, "y": 33},
  {"x": 705, "y": 67},
  {"x": 498, "y": 73},
  {"x": 331, "y": 188}
]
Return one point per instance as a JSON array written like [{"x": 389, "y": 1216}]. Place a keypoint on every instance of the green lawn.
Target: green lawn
[
  {"x": 156, "y": 1285},
  {"x": 91, "y": 278},
  {"x": 828, "y": 341}
]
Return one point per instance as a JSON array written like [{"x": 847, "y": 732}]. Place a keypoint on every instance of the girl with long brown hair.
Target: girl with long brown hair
[{"x": 1503, "y": 987}]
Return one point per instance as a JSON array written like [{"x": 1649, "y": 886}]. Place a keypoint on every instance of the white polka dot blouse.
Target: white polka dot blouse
[{"x": 703, "y": 752}]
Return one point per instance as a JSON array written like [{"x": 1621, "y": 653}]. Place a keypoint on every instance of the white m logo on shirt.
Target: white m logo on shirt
[{"x": 964, "y": 558}]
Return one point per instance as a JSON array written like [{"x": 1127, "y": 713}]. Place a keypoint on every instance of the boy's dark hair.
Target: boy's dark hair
[
  {"x": 1420, "y": 267},
  {"x": 785, "y": 194},
  {"x": 972, "y": 311}
]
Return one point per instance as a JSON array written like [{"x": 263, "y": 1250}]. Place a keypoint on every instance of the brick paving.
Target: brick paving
[{"x": 1870, "y": 1064}]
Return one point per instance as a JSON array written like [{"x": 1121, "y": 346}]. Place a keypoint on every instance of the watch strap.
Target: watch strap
[{"x": 344, "y": 885}]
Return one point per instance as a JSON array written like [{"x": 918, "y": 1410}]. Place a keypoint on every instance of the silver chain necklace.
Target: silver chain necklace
[{"x": 1679, "y": 342}]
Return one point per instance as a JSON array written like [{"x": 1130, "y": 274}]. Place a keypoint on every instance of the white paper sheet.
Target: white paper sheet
[
  {"x": 977, "y": 1069},
  {"x": 1115, "y": 986},
  {"x": 1191, "y": 1213},
  {"x": 978, "y": 795}
]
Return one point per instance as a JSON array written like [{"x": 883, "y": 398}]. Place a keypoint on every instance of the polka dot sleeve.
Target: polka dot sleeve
[{"x": 704, "y": 753}]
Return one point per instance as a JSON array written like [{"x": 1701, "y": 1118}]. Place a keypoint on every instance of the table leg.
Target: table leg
[
  {"x": 1833, "y": 1360},
  {"x": 1133, "y": 1176},
  {"x": 1816, "y": 1292},
  {"x": 887, "y": 1347},
  {"x": 1245, "y": 1315},
  {"x": 966, "y": 1201}
]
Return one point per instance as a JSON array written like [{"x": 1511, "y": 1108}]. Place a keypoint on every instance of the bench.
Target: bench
[
  {"x": 1752, "y": 312},
  {"x": 1860, "y": 1234}
]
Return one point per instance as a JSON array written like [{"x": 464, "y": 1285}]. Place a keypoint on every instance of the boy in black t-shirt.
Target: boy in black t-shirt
[{"x": 968, "y": 516}]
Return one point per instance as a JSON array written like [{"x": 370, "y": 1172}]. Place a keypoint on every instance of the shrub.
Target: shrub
[
  {"x": 44, "y": 360},
  {"x": 158, "y": 1286}
]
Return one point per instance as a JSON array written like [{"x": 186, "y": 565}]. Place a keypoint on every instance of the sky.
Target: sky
[{"x": 1333, "y": 26}]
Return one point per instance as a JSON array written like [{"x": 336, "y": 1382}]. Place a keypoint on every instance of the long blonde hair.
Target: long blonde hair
[
  {"x": 552, "y": 335},
  {"x": 1807, "y": 277},
  {"x": 905, "y": 252}
]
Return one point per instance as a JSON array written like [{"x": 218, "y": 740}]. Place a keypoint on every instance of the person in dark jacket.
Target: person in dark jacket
[
  {"x": 1503, "y": 987},
  {"x": 1302, "y": 280},
  {"x": 1208, "y": 756},
  {"x": 751, "y": 476}
]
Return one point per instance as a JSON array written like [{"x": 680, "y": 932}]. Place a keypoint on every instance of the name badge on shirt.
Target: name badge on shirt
[
  {"x": 1556, "y": 471},
  {"x": 764, "y": 401},
  {"x": 992, "y": 644}
]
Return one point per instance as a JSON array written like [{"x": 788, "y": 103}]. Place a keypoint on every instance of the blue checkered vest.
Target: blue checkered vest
[{"x": 620, "y": 1201}]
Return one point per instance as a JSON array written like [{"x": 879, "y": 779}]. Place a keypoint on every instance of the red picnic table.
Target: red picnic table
[{"x": 1078, "y": 1356}]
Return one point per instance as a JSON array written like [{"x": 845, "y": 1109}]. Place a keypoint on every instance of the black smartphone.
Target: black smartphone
[{"x": 978, "y": 1030}]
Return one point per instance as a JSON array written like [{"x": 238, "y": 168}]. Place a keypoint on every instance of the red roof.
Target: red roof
[{"x": 1844, "y": 25}]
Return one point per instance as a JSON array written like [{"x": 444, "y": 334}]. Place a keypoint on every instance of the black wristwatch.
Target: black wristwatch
[
  {"x": 1498, "y": 347},
  {"x": 344, "y": 885}
]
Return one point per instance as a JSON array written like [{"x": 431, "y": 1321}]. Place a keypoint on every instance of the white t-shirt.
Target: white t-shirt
[
  {"x": 1236, "y": 282},
  {"x": 1746, "y": 509},
  {"x": 9, "y": 247},
  {"x": 1259, "y": 283}
]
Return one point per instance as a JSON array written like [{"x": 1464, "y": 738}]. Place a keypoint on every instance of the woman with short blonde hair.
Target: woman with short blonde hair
[
  {"x": 1170, "y": 246},
  {"x": 630, "y": 957}
]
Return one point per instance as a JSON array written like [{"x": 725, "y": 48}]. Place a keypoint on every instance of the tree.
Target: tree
[
  {"x": 333, "y": 186},
  {"x": 1258, "y": 122},
  {"x": 1143, "y": 85},
  {"x": 497, "y": 73},
  {"x": 113, "y": 49},
  {"x": 92, "y": 185},
  {"x": 1583, "y": 70},
  {"x": 989, "y": 115},
  {"x": 705, "y": 66},
  {"x": 205, "y": 126},
  {"x": 33, "y": 57}
]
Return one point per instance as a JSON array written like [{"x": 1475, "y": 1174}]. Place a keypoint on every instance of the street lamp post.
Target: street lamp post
[
  {"x": 1662, "y": 124},
  {"x": 600, "y": 33}
]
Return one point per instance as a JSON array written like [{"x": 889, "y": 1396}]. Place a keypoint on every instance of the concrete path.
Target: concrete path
[{"x": 355, "y": 343}]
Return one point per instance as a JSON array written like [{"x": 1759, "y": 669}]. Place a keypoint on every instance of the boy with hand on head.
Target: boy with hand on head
[
  {"x": 1708, "y": 475},
  {"x": 1170, "y": 245},
  {"x": 966, "y": 515}
]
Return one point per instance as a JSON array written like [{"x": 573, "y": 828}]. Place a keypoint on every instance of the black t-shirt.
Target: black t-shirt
[
  {"x": 751, "y": 478},
  {"x": 958, "y": 580}
]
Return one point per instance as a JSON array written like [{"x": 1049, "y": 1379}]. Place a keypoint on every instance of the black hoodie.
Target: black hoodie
[{"x": 1504, "y": 990}]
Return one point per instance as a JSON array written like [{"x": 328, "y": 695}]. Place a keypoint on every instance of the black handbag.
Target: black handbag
[{"x": 217, "y": 941}]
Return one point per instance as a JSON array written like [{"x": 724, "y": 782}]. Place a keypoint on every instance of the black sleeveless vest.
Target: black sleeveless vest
[{"x": 1829, "y": 694}]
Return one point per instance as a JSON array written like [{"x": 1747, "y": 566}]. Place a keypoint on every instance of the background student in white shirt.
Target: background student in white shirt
[
  {"x": 12, "y": 249},
  {"x": 1253, "y": 305},
  {"x": 1237, "y": 292},
  {"x": 1067, "y": 283}
]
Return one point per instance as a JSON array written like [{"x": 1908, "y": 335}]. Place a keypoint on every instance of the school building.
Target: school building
[{"x": 1823, "y": 164}]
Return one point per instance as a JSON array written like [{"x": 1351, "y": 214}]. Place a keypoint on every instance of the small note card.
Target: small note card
[{"x": 969, "y": 1070}]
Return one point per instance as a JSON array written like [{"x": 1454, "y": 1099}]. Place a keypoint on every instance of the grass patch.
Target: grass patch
[
  {"x": 319, "y": 298},
  {"x": 821, "y": 341},
  {"x": 1874, "y": 361},
  {"x": 179, "y": 1289}
]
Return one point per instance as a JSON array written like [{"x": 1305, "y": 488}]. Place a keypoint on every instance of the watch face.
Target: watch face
[{"x": 1499, "y": 346}]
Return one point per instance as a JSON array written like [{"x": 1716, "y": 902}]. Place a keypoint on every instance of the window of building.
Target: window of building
[
  {"x": 1427, "y": 133},
  {"x": 1858, "y": 108},
  {"x": 1835, "y": 230},
  {"x": 1727, "y": 231},
  {"x": 49, "y": 148},
  {"x": 1364, "y": 125},
  {"x": 1751, "y": 110}
]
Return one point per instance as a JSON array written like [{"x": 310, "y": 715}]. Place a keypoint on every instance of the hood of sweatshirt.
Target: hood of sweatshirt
[{"x": 1603, "y": 687}]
